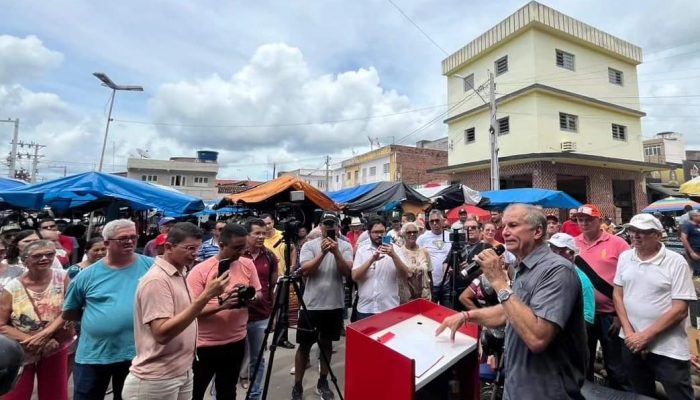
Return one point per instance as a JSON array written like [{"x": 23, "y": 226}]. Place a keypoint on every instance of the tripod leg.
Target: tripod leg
[
  {"x": 324, "y": 355},
  {"x": 272, "y": 327}
]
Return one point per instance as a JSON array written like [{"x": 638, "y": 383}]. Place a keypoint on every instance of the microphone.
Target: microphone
[{"x": 472, "y": 270}]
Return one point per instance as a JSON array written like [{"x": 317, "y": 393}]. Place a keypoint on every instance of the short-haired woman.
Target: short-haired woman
[{"x": 419, "y": 283}]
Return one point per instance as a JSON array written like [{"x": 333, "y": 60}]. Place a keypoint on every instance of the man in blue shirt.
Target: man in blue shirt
[
  {"x": 210, "y": 247},
  {"x": 690, "y": 236},
  {"x": 102, "y": 298}
]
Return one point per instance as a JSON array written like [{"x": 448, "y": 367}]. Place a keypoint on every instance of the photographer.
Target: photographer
[
  {"x": 222, "y": 324},
  {"x": 324, "y": 262},
  {"x": 471, "y": 246}
]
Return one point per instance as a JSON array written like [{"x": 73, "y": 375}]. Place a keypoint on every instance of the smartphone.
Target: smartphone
[
  {"x": 330, "y": 234},
  {"x": 386, "y": 240},
  {"x": 224, "y": 265}
]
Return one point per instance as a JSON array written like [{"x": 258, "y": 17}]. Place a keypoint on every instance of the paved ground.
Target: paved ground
[{"x": 282, "y": 381}]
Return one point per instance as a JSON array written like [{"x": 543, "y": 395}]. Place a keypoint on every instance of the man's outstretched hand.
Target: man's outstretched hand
[{"x": 453, "y": 322}]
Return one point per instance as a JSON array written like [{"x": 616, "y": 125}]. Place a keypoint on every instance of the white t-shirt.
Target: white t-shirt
[
  {"x": 438, "y": 248},
  {"x": 648, "y": 289},
  {"x": 324, "y": 288},
  {"x": 378, "y": 290}
]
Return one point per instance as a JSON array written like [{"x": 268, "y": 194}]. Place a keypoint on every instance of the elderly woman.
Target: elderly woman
[
  {"x": 419, "y": 283},
  {"x": 489, "y": 234},
  {"x": 30, "y": 313}
]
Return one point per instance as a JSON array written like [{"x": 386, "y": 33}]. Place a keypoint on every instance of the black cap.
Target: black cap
[{"x": 329, "y": 216}]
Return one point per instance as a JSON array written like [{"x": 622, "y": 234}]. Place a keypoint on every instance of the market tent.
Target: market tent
[
  {"x": 92, "y": 190},
  {"x": 473, "y": 211},
  {"x": 9, "y": 183},
  {"x": 670, "y": 204},
  {"x": 542, "y": 197},
  {"x": 384, "y": 193},
  {"x": 692, "y": 187},
  {"x": 455, "y": 195},
  {"x": 277, "y": 191},
  {"x": 351, "y": 194}
]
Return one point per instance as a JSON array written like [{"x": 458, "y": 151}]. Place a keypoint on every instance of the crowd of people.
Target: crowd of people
[{"x": 166, "y": 323}]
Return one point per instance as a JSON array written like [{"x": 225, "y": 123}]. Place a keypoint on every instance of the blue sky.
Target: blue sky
[{"x": 277, "y": 63}]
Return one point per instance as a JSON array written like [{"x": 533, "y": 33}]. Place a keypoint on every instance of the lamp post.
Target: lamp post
[{"x": 110, "y": 84}]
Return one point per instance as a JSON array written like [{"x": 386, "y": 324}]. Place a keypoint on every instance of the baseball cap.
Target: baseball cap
[
  {"x": 165, "y": 220},
  {"x": 552, "y": 216},
  {"x": 329, "y": 217},
  {"x": 10, "y": 227},
  {"x": 355, "y": 221},
  {"x": 462, "y": 211},
  {"x": 589, "y": 209},
  {"x": 563, "y": 240},
  {"x": 161, "y": 239},
  {"x": 645, "y": 222}
]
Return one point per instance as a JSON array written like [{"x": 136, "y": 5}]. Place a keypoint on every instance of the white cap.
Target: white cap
[
  {"x": 645, "y": 222},
  {"x": 563, "y": 240}
]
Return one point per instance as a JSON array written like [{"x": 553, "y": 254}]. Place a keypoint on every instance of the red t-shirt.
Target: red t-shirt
[
  {"x": 263, "y": 308},
  {"x": 570, "y": 227}
]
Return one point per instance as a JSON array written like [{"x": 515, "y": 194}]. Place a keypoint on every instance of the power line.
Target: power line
[{"x": 418, "y": 27}]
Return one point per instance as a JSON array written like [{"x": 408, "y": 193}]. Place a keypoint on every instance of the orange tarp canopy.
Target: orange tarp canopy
[{"x": 274, "y": 187}]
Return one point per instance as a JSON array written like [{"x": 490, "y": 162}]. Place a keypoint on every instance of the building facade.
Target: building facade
[
  {"x": 394, "y": 163},
  {"x": 314, "y": 177},
  {"x": 190, "y": 175},
  {"x": 665, "y": 148},
  {"x": 568, "y": 112}
]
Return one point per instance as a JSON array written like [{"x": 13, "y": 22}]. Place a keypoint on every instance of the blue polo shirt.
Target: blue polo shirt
[
  {"x": 106, "y": 296},
  {"x": 693, "y": 232}
]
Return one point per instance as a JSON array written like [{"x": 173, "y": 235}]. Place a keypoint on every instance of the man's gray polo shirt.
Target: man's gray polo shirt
[{"x": 548, "y": 284}]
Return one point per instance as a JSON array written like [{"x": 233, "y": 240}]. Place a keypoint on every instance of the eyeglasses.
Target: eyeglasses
[
  {"x": 126, "y": 239},
  {"x": 641, "y": 233},
  {"x": 471, "y": 228},
  {"x": 435, "y": 221},
  {"x": 411, "y": 232},
  {"x": 50, "y": 227},
  {"x": 190, "y": 249},
  {"x": 37, "y": 257}
]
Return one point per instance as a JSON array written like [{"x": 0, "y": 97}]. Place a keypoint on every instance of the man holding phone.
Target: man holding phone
[
  {"x": 222, "y": 324},
  {"x": 324, "y": 262},
  {"x": 377, "y": 265}
]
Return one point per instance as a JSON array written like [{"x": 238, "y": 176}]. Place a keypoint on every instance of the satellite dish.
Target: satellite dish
[{"x": 143, "y": 153}]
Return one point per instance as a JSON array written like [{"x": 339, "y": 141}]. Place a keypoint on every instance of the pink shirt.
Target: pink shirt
[
  {"x": 226, "y": 326},
  {"x": 162, "y": 293},
  {"x": 602, "y": 256}
]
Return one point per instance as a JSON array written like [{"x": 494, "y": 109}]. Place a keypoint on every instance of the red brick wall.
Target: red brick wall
[
  {"x": 414, "y": 162},
  {"x": 544, "y": 175}
]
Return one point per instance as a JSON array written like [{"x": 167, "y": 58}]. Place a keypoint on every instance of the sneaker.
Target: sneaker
[
  {"x": 324, "y": 391},
  {"x": 286, "y": 344},
  {"x": 297, "y": 393}
]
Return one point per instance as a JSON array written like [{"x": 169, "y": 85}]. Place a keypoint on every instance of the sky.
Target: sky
[{"x": 283, "y": 83}]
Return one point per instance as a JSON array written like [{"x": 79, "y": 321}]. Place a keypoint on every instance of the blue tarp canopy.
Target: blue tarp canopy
[
  {"x": 92, "y": 190},
  {"x": 8, "y": 183},
  {"x": 542, "y": 197},
  {"x": 351, "y": 194}
]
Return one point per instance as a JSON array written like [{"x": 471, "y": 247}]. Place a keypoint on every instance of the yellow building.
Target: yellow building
[{"x": 568, "y": 112}]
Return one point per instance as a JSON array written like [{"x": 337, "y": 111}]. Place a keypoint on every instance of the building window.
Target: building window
[
  {"x": 619, "y": 132},
  {"x": 568, "y": 122},
  {"x": 385, "y": 168},
  {"x": 372, "y": 171},
  {"x": 501, "y": 65},
  {"x": 178, "y": 180},
  {"x": 469, "y": 83},
  {"x": 615, "y": 76},
  {"x": 201, "y": 179},
  {"x": 349, "y": 176},
  {"x": 149, "y": 178},
  {"x": 503, "y": 126},
  {"x": 565, "y": 60},
  {"x": 469, "y": 135},
  {"x": 652, "y": 150},
  {"x": 357, "y": 175},
  {"x": 337, "y": 178}
]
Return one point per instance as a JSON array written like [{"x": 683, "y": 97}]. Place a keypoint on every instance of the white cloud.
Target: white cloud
[{"x": 26, "y": 58}]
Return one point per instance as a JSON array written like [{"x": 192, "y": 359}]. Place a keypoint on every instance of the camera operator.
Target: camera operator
[
  {"x": 545, "y": 351},
  {"x": 165, "y": 330},
  {"x": 266, "y": 267},
  {"x": 470, "y": 248},
  {"x": 324, "y": 262},
  {"x": 376, "y": 270},
  {"x": 222, "y": 324}
]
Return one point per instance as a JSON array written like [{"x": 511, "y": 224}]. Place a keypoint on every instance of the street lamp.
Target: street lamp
[{"x": 110, "y": 84}]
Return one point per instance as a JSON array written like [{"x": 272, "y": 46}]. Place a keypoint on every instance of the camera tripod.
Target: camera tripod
[
  {"x": 458, "y": 242},
  {"x": 278, "y": 322}
]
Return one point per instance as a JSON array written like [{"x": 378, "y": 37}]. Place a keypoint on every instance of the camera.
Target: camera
[
  {"x": 457, "y": 238},
  {"x": 287, "y": 221},
  {"x": 245, "y": 295}
]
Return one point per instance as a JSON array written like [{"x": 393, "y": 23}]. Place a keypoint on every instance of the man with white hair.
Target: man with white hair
[
  {"x": 102, "y": 299},
  {"x": 438, "y": 245},
  {"x": 653, "y": 286},
  {"x": 564, "y": 245}
]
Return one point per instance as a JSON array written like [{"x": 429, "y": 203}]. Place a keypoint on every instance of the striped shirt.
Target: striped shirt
[{"x": 209, "y": 249}]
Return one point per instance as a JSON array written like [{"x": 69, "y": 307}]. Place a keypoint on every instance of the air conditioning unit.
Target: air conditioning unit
[{"x": 568, "y": 146}]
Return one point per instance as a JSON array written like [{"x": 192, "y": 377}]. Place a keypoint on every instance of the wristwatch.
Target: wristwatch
[{"x": 504, "y": 295}]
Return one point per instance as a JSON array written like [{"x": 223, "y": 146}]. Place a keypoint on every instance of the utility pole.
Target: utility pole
[
  {"x": 328, "y": 166},
  {"x": 495, "y": 170},
  {"x": 13, "y": 153},
  {"x": 274, "y": 170},
  {"x": 34, "y": 157}
]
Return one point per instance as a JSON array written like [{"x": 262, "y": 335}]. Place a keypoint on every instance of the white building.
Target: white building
[
  {"x": 314, "y": 177},
  {"x": 193, "y": 176}
]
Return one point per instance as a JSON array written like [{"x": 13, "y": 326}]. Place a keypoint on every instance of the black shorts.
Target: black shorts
[{"x": 328, "y": 322}]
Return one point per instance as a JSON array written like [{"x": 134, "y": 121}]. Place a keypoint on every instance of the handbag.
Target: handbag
[{"x": 64, "y": 335}]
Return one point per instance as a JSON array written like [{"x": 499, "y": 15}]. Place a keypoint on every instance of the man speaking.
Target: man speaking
[{"x": 545, "y": 347}]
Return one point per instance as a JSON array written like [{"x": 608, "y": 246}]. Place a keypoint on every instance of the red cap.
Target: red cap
[
  {"x": 589, "y": 209},
  {"x": 160, "y": 239}
]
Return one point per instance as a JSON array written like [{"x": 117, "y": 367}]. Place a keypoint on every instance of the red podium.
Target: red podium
[{"x": 395, "y": 355}]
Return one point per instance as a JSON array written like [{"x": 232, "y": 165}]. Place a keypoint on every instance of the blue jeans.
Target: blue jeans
[
  {"x": 90, "y": 381},
  {"x": 256, "y": 334}
]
